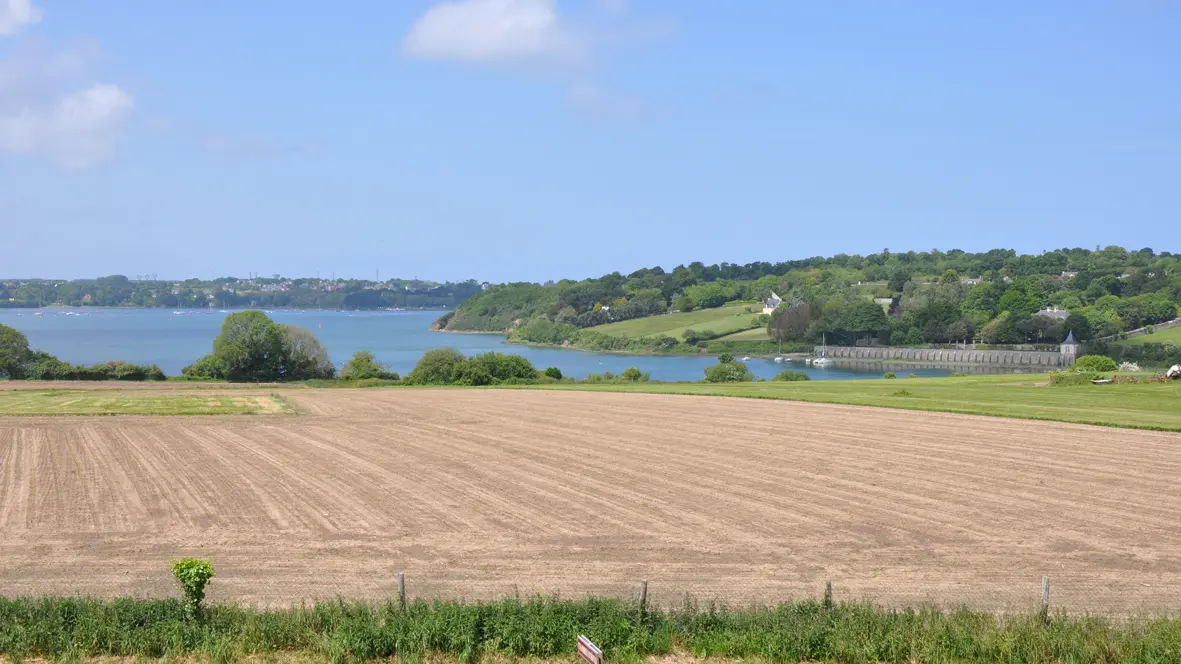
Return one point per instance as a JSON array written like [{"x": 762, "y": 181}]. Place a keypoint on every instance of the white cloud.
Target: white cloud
[
  {"x": 16, "y": 14},
  {"x": 77, "y": 131},
  {"x": 49, "y": 106},
  {"x": 496, "y": 31}
]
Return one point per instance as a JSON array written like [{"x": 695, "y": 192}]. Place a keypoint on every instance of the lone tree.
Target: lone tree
[
  {"x": 789, "y": 322},
  {"x": 250, "y": 347}
]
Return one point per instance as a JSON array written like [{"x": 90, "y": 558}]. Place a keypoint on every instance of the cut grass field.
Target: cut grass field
[
  {"x": 721, "y": 320},
  {"x": 1172, "y": 335},
  {"x": 136, "y": 402},
  {"x": 1029, "y": 396}
]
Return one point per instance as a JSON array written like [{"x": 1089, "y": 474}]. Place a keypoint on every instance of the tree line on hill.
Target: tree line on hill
[
  {"x": 232, "y": 293},
  {"x": 903, "y": 299}
]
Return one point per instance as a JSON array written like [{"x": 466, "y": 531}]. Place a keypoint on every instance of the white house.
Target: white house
[
  {"x": 1053, "y": 312},
  {"x": 771, "y": 303}
]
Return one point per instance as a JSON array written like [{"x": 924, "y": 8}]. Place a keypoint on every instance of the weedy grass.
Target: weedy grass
[
  {"x": 64, "y": 628},
  {"x": 1155, "y": 406}
]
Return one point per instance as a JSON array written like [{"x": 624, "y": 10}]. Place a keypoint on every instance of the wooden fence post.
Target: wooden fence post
[
  {"x": 402, "y": 590},
  {"x": 828, "y": 594},
  {"x": 643, "y": 598},
  {"x": 1046, "y": 599}
]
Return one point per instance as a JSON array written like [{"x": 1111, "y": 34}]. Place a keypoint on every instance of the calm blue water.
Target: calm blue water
[{"x": 398, "y": 338}]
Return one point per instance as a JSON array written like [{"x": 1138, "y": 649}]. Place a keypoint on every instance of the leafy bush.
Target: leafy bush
[
  {"x": 503, "y": 367},
  {"x": 1129, "y": 366},
  {"x": 14, "y": 353},
  {"x": 889, "y": 374},
  {"x": 364, "y": 366},
  {"x": 304, "y": 357},
  {"x": 447, "y": 366},
  {"x": 1069, "y": 378},
  {"x": 634, "y": 375},
  {"x": 787, "y": 375},
  {"x": 48, "y": 367},
  {"x": 553, "y": 372},
  {"x": 206, "y": 368},
  {"x": 728, "y": 372},
  {"x": 192, "y": 574},
  {"x": 1094, "y": 363},
  {"x": 436, "y": 367},
  {"x": 725, "y": 358}
]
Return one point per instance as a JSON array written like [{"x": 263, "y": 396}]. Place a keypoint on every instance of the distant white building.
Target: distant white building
[
  {"x": 971, "y": 281},
  {"x": 772, "y": 303}
]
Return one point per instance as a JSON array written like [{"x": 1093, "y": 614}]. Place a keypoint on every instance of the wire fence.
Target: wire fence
[{"x": 1130, "y": 597}]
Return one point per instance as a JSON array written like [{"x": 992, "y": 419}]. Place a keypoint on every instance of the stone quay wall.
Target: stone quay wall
[{"x": 1014, "y": 358}]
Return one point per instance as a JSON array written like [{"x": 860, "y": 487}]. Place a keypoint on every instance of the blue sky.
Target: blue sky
[{"x": 538, "y": 139}]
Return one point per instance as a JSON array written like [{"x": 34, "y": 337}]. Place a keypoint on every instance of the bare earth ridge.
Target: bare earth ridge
[{"x": 477, "y": 494}]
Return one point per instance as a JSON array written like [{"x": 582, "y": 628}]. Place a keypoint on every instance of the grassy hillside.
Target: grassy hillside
[
  {"x": 499, "y": 307},
  {"x": 720, "y": 320},
  {"x": 1172, "y": 335},
  {"x": 1029, "y": 396}
]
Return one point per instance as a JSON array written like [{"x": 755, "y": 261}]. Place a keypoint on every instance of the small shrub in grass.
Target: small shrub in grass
[
  {"x": 959, "y": 375},
  {"x": 901, "y": 393},
  {"x": 789, "y": 376},
  {"x": 1068, "y": 378},
  {"x": 554, "y": 372},
  {"x": 890, "y": 374},
  {"x": 1094, "y": 363},
  {"x": 634, "y": 375},
  {"x": 913, "y": 376},
  {"x": 1129, "y": 366},
  {"x": 192, "y": 574}
]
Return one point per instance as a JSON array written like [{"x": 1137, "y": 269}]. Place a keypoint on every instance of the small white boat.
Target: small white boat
[
  {"x": 779, "y": 359},
  {"x": 746, "y": 359},
  {"x": 822, "y": 361}
]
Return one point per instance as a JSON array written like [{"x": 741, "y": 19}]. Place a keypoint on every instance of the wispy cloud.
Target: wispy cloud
[
  {"x": 16, "y": 14},
  {"x": 496, "y": 31},
  {"x": 532, "y": 36},
  {"x": 44, "y": 112}
]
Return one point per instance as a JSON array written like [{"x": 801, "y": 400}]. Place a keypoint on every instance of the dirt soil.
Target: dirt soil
[{"x": 483, "y": 493}]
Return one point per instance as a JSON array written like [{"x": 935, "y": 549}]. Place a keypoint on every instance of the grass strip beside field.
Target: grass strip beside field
[
  {"x": 66, "y": 629},
  {"x": 137, "y": 402},
  {"x": 1154, "y": 406}
]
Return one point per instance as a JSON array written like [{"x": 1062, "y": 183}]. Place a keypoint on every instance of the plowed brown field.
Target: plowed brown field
[{"x": 480, "y": 493}]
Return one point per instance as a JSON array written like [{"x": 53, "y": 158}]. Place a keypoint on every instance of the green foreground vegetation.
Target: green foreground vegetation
[
  {"x": 65, "y": 629},
  {"x": 136, "y": 402},
  {"x": 1025, "y": 396}
]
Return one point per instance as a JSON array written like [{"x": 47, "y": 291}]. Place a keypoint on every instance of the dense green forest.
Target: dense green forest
[
  {"x": 232, "y": 292},
  {"x": 908, "y": 298}
]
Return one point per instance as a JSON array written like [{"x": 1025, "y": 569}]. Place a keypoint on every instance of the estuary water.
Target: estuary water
[{"x": 173, "y": 340}]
